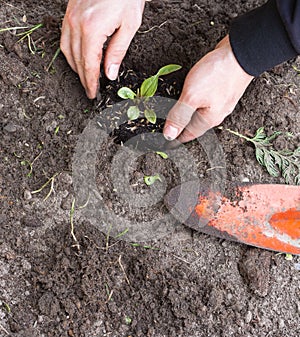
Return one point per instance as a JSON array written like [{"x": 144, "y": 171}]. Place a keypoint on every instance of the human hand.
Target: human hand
[
  {"x": 211, "y": 90},
  {"x": 87, "y": 25}
]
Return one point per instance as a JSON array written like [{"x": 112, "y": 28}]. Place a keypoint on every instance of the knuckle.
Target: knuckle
[
  {"x": 72, "y": 18},
  {"x": 209, "y": 119}
]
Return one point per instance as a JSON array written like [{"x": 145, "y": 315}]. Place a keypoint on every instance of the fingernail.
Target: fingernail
[
  {"x": 113, "y": 71},
  {"x": 170, "y": 132}
]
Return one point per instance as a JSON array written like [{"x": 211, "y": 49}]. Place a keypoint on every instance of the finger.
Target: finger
[
  {"x": 91, "y": 55},
  {"x": 117, "y": 49},
  {"x": 197, "y": 126},
  {"x": 179, "y": 116},
  {"x": 65, "y": 45},
  {"x": 76, "y": 47}
]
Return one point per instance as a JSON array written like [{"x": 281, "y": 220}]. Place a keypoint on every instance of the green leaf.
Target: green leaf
[
  {"x": 149, "y": 86},
  {"x": 133, "y": 113},
  {"x": 297, "y": 152},
  {"x": 260, "y": 134},
  {"x": 150, "y": 180},
  {"x": 150, "y": 115},
  {"x": 297, "y": 179},
  {"x": 162, "y": 154},
  {"x": 259, "y": 153},
  {"x": 270, "y": 165},
  {"x": 168, "y": 69},
  {"x": 126, "y": 93},
  {"x": 273, "y": 136}
]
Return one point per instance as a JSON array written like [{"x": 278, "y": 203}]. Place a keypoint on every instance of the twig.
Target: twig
[
  {"x": 2, "y": 328},
  {"x": 72, "y": 211},
  {"x": 109, "y": 293},
  {"x": 107, "y": 238},
  {"x": 123, "y": 269},
  {"x": 149, "y": 30},
  {"x": 179, "y": 258}
]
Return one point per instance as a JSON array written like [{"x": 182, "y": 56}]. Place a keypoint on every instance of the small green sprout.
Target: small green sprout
[
  {"x": 122, "y": 233},
  {"x": 145, "y": 247},
  {"x": 128, "y": 320},
  {"x": 296, "y": 69},
  {"x": 150, "y": 180},
  {"x": 162, "y": 154},
  {"x": 289, "y": 257},
  {"x": 147, "y": 89},
  {"x": 7, "y": 307}
]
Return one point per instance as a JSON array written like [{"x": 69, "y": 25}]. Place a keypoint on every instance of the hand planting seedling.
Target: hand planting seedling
[
  {"x": 285, "y": 163},
  {"x": 147, "y": 89}
]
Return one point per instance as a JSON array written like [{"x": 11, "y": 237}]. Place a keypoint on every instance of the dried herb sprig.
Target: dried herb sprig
[{"x": 285, "y": 163}]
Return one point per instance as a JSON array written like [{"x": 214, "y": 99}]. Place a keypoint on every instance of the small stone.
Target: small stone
[
  {"x": 229, "y": 296},
  {"x": 27, "y": 195},
  {"x": 281, "y": 323},
  {"x": 40, "y": 319},
  {"x": 10, "y": 127},
  {"x": 65, "y": 178},
  {"x": 248, "y": 317}
]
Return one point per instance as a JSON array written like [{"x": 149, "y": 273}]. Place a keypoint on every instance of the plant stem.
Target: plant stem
[{"x": 240, "y": 135}]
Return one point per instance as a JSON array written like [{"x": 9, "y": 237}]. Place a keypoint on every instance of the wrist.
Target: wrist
[{"x": 229, "y": 54}]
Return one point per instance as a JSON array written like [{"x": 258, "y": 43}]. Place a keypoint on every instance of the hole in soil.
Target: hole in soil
[{"x": 150, "y": 134}]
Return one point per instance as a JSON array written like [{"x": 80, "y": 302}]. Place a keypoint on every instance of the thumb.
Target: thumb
[
  {"x": 178, "y": 118},
  {"x": 116, "y": 51}
]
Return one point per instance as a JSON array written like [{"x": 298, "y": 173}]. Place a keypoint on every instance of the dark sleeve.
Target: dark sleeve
[{"x": 266, "y": 36}]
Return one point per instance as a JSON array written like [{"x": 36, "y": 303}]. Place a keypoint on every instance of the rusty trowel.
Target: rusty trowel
[{"x": 265, "y": 216}]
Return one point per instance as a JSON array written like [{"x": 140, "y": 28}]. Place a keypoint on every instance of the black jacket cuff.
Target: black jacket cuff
[{"x": 259, "y": 39}]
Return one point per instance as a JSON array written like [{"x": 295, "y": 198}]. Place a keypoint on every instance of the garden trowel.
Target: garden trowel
[{"x": 265, "y": 216}]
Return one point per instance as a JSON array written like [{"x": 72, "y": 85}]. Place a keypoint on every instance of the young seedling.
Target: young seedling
[
  {"x": 150, "y": 180},
  {"x": 147, "y": 89},
  {"x": 285, "y": 163},
  {"x": 28, "y": 163},
  {"x": 142, "y": 246},
  {"x": 162, "y": 154}
]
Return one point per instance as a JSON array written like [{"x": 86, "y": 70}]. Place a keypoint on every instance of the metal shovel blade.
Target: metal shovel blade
[{"x": 265, "y": 216}]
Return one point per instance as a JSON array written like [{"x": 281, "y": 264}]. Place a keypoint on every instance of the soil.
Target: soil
[{"x": 183, "y": 283}]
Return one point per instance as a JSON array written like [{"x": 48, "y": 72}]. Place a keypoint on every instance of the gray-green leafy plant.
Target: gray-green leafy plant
[
  {"x": 146, "y": 90},
  {"x": 285, "y": 163}
]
